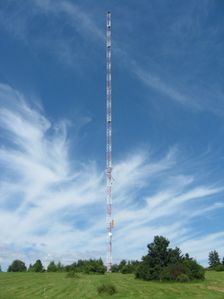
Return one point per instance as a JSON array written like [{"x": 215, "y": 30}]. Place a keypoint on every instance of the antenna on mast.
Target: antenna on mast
[{"x": 109, "y": 144}]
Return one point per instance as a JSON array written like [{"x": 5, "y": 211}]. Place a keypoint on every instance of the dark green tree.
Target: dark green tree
[
  {"x": 156, "y": 259},
  {"x": 52, "y": 267},
  {"x": 164, "y": 263},
  {"x": 94, "y": 266},
  {"x": 87, "y": 266},
  {"x": 128, "y": 268},
  {"x": 115, "y": 268},
  {"x": 122, "y": 264},
  {"x": 213, "y": 259},
  {"x": 17, "y": 266},
  {"x": 37, "y": 266},
  {"x": 0, "y": 268},
  {"x": 60, "y": 267}
]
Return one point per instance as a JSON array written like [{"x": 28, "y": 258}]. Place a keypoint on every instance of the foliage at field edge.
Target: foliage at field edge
[
  {"x": 164, "y": 263},
  {"x": 17, "y": 266},
  {"x": 83, "y": 266},
  {"x": 215, "y": 262},
  {"x": 160, "y": 263}
]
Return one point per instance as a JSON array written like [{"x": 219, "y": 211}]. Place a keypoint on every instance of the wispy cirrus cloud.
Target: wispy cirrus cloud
[
  {"x": 187, "y": 90},
  {"x": 53, "y": 207}
]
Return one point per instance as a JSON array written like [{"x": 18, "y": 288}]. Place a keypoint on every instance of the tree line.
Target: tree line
[
  {"x": 85, "y": 266},
  {"x": 160, "y": 263}
]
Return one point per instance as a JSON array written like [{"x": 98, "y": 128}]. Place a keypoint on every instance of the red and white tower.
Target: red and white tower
[{"x": 109, "y": 144}]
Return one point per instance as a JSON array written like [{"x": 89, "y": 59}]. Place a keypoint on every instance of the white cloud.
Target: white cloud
[
  {"x": 199, "y": 247},
  {"x": 52, "y": 208},
  {"x": 158, "y": 84}
]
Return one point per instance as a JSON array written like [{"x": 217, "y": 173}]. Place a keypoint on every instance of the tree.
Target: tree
[
  {"x": 129, "y": 267},
  {"x": 87, "y": 266},
  {"x": 213, "y": 259},
  {"x": 125, "y": 267},
  {"x": 122, "y": 264},
  {"x": 158, "y": 257},
  {"x": 0, "y": 268},
  {"x": 17, "y": 266},
  {"x": 37, "y": 266},
  {"x": 115, "y": 268},
  {"x": 94, "y": 266},
  {"x": 52, "y": 267},
  {"x": 60, "y": 267},
  {"x": 164, "y": 263}
]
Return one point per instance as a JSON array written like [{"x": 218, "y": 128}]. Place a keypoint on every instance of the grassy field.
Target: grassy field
[{"x": 56, "y": 285}]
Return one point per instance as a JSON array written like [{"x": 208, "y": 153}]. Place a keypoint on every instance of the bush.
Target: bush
[
  {"x": 173, "y": 272},
  {"x": 52, "y": 267},
  {"x": 219, "y": 268},
  {"x": 107, "y": 288},
  {"x": 146, "y": 273},
  {"x": 72, "y": 274},
  {"x": 196, "y": 271},
  {"x": 87, "y": 266},
  {"x": 94, "y": 267},
  {"x": 115, "y": 268},
  {"x": 127, "y": 269},
  {"x": 183, "y": 278}
]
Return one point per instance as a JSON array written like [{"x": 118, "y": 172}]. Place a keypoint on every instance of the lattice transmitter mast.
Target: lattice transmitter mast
[{"x": 109, "y": 143}]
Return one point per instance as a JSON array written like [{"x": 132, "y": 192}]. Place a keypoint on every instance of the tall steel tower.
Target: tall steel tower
[{"x": 109, "y": 143}]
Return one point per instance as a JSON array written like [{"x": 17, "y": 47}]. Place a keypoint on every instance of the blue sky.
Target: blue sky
[{"x": 168, "y": 126}]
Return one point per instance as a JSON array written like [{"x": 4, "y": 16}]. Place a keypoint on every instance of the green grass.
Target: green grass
[{"x": 56, "y": 285}]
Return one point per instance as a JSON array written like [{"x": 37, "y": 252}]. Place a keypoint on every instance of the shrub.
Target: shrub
[
  {"x": 72, "y": 274},
  {"x": 87, "y": 266},
  {"x": 107, "y": 288},
  {"x": 196, "y": 271},
  {"x": 145, "y": 272},
  {"x": 52, "y": 267},
  {"x": 94, "y": 267},
  {"x": 127, "y": 269},
  {"x": 173, "y": 271},
  {"x": 219, "y": 268},
  {"x": 115, "y": 268},
  {"x": 183, "y": 278}
]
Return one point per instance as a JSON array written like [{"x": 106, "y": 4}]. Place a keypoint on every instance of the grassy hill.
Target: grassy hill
[{"x": 56, "y": 285}]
